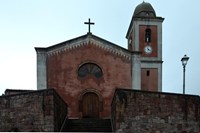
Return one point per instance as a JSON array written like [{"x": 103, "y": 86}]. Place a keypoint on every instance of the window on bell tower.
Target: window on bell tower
[{"x": 148, "y": 35}]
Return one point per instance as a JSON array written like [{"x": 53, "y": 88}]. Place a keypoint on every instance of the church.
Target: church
[
  {"x": 98, "y": 79},
  {"x": 86, "y": 70}
]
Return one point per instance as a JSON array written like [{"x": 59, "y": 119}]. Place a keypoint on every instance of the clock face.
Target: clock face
[{"x": 148, "y": 49}]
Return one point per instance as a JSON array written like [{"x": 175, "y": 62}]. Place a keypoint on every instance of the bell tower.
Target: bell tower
[{"x": 145, "y": 35}]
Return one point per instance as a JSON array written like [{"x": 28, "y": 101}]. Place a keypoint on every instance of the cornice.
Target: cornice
[
  {"x": 116, "y": 51},
  {"x": 151, "y": 61}
]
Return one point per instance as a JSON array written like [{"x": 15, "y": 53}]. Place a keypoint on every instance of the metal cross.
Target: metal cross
[{"x": 89, "y": 23}]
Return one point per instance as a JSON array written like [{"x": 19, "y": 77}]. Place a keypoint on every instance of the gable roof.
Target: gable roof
[{"x": 87, "y": 39}]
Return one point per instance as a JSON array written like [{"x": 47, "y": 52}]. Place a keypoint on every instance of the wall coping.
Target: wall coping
[
  {"x": 27, "y": 92},
  {"x": 152, "y": 92}
]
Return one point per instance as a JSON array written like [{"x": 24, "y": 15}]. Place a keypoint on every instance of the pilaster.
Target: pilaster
[
  {"x": 41, "y": 68},
  {"x": 136, "y": 70}
]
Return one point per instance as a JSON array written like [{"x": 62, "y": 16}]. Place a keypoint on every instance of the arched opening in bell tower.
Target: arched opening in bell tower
[{"x": 148, "y": 35}]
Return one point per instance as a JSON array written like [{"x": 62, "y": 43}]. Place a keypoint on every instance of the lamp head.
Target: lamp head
[{"x": 185, "y": 60}]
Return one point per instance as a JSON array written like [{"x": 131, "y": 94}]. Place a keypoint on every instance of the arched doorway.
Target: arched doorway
[{"x": 90, "y": 105}]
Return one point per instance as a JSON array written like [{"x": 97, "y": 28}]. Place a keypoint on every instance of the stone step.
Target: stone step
[{"x": 87, "y": 125}]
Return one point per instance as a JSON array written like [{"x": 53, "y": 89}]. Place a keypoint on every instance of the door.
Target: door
[{"x": 90, "y": 105}]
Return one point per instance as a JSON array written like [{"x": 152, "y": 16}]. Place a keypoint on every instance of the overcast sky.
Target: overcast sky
[{"x": 25, "y": 24}]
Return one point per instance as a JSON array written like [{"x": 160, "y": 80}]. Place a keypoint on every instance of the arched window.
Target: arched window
[
  {"x": 148, "y": 35},
  {"x": 90, "y": 69}
]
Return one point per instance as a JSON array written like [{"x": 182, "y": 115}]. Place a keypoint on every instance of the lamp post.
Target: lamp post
[{"x": 184, "y": 63}]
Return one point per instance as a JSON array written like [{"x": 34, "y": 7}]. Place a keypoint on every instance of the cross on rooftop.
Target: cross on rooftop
[{"x": 89, "y": 23}]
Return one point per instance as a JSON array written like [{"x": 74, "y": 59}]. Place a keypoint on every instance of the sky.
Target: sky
[{"x": 25, "y": 24}]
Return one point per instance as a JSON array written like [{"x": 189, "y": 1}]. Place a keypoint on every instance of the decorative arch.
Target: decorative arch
[{"x": 92, "y": 91}]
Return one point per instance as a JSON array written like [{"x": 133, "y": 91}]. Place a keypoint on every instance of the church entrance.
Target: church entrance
[{"x": 90, "y": 105}]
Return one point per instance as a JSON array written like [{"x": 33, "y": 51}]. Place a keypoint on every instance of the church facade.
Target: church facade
[{"x": 85, "y": 71}]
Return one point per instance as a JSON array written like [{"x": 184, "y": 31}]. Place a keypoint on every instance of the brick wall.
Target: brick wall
[
  {"x": 153, "y": 112},
  {"x": 38, "y": 111}
]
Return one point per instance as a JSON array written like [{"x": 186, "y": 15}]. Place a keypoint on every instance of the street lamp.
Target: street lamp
[{"x": 184, "y": 63}]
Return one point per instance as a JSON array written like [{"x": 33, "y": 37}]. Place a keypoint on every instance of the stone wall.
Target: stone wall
[
  {"x": 153, "y": 112},
  {"x": 37, "y": 111}
]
